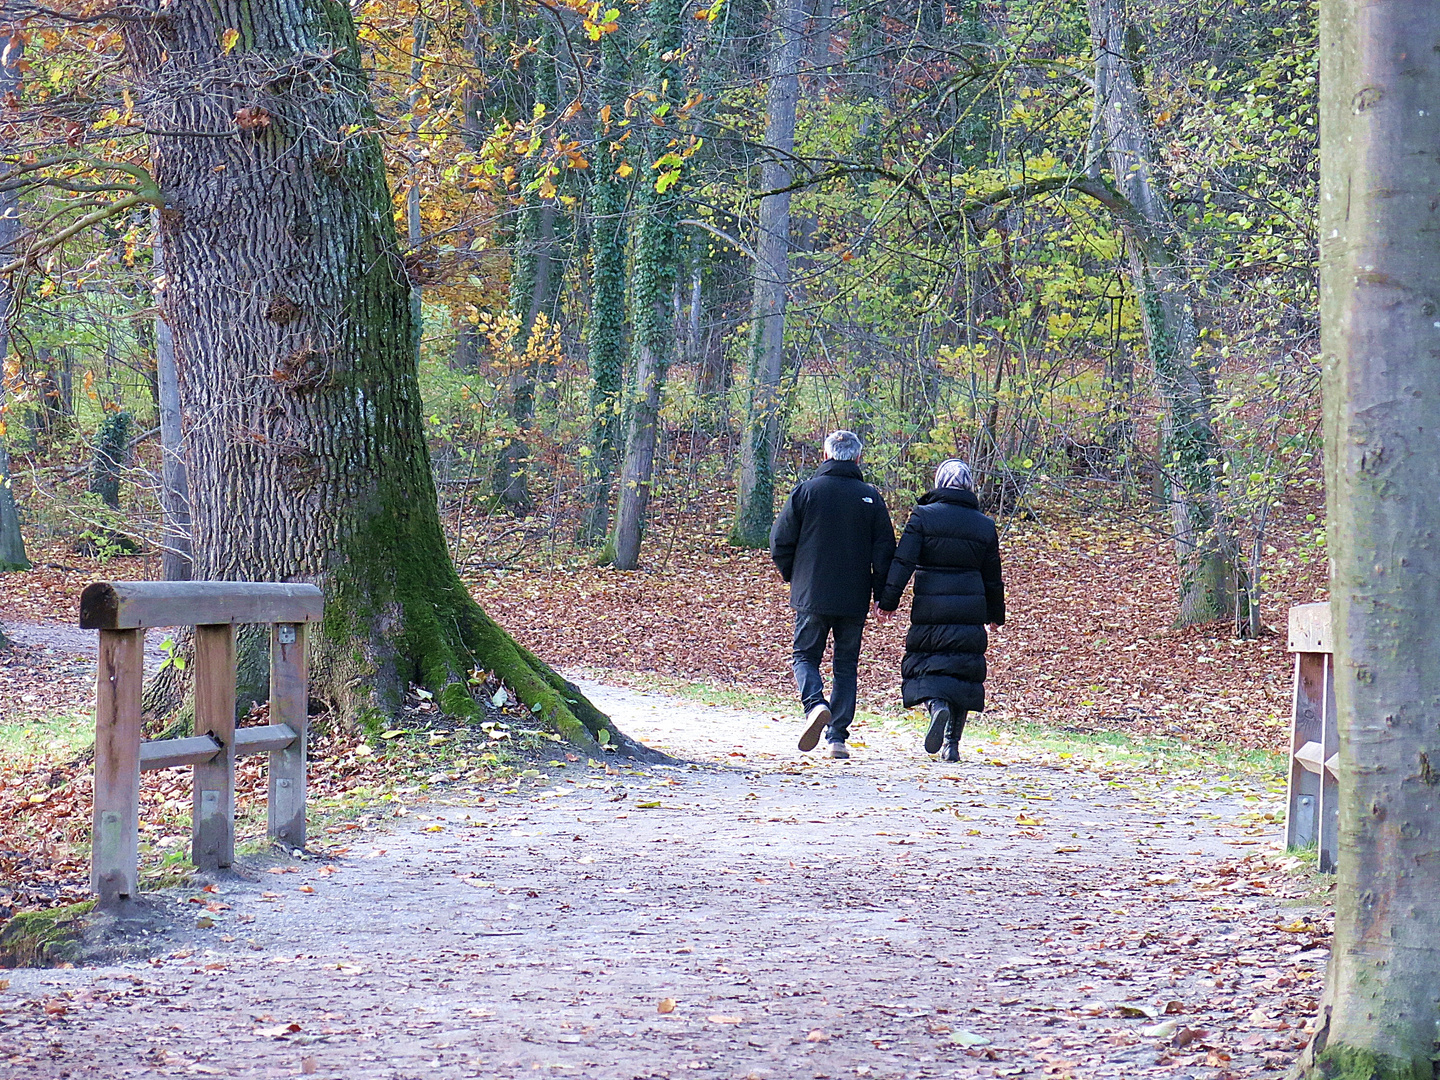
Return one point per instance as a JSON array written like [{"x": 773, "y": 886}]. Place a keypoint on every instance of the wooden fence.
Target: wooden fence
[
  {"x": 122, "y": 611},
  {"x": 1313, "y": 811}
]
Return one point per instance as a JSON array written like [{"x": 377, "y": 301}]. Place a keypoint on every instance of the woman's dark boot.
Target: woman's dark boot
[
  {"x": 939, "y": 721},
  {"x": 953, "y": 730}
]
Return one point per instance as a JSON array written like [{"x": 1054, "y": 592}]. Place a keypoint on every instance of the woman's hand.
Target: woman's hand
[{"x": 994, "y": 628}]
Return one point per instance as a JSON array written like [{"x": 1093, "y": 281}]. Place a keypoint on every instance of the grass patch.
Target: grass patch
[{"x": 37, "y": 740}]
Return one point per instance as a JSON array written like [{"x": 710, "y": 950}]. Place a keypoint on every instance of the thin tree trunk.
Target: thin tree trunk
[
  {"x": 295, "y": 348},
  {"x": 605, "y": 323},
  {"x": 1204, "y": 545},
  {"x": 653, "y": 280},
  {"x": 1380, "y": 280},
  {"x": 756, "y": 510},
  {"x": 12, "y": 542},
  {"x": 174, "y": 493},
  {"x": 534, "y": 282}
]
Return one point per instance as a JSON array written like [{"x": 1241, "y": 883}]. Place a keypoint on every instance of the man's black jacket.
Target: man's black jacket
[{"x": 833, "y": 542}]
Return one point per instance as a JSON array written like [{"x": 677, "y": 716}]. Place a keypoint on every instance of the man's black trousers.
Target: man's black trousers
[{"x": 812, "y": 631}]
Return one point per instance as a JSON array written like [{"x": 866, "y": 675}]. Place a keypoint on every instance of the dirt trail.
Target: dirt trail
[{"x": 888, "y": 916}]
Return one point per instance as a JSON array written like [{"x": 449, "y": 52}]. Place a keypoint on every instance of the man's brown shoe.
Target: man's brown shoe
[
  {"x": 837, "y": 750},
  {"x": 817, "y": 719}
]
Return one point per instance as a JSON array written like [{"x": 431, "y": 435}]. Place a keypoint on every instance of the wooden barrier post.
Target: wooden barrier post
[
  {"x": 289, "y": 701},
  {"x": 212, "y": 828},
  {"x": 121, "y": 611},
  {"x": 115, "y": 823},
  {"x": 1312, "y": 815}
]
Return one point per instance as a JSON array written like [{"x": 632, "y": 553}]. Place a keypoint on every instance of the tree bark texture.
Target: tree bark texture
[
  {"x": 1189, "y": 449},
  {"x": 295, "y": 353},
  {"x": 12, "y": 542},
  {"x": 175, "y": 493},
  {"x": 1380, "y": 332},
  {"x": 756, "y": 510},
  {"x": 605, "y": 325},
  {"x": 652, "y": 281}
]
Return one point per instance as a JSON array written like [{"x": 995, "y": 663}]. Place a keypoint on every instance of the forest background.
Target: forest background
[{"x": 658, "y": 250}]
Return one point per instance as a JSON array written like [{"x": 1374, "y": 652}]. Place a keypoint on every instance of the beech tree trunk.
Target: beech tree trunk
[
  {"x": 534, "y": 283},
  {"x": 1189, "y": 449},
  {"x": 295, "y": 351},
  {"x": 175, "y": 492},
  {"x": 12, "y": 543},
  {"x": 1380, "y": 327},
  {"x": 756, "y": 510}
]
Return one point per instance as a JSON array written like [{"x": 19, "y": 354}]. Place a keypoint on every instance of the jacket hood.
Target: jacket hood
[
  {"x": 960, "y": 496},
  {"x": 840, "y": 468}
]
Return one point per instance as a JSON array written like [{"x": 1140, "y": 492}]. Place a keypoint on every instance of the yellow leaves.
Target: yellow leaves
[
  {"x": 712, "y": 12},
  {"x": 1163, "y": 118},
  {"x": 601, "y": 21},
  {"x": 571, "y": 110},
  {"x": 228, "y": 39},
  {"x": 624, "y": 170},
  {"x": 605, "y": 114}
]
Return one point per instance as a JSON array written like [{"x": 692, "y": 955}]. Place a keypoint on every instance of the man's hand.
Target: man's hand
[
  {"x": 884, "y": 618},
  {"x": 994, "y": 628}
]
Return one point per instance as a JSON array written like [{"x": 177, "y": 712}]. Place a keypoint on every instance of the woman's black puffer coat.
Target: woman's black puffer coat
[{"x": 952, "y": 550}]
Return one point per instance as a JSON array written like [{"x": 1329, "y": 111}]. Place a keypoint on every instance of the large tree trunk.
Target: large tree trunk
[
  {"x": 652, "y": 280},
  {"x": 295, "y": 348},
  {"x": 756, "y": 510},
  {"x": 12, "y": 543},
  {"x": 1189, "y": 448},
  {"x": 1380, "y": 319}
]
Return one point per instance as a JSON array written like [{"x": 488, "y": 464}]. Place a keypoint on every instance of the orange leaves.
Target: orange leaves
[
  {"x": 13, "y": 45},
  {"x": 252, "y": 118}
]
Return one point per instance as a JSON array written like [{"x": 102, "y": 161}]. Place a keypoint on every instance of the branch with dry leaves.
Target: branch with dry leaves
[{"x": 84, "y": 176}]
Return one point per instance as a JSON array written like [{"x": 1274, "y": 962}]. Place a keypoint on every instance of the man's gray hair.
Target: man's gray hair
[
  {"x": 954, "y": 473},
  {"x": 843, "y": 445}
]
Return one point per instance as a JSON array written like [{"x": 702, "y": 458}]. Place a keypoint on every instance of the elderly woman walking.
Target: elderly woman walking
[{"x": 954, "y": 553}]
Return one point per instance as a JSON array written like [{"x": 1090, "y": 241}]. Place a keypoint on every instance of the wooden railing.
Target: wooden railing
[
  {"x": 1313, "y": 811},
  {"x": 122, "y": 611}
]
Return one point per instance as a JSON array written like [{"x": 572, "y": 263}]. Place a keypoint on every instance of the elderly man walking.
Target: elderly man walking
[{"x": 833, "y": 543}]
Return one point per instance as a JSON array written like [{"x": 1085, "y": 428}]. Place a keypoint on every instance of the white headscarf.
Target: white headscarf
[{"x": 954, "y": 473}]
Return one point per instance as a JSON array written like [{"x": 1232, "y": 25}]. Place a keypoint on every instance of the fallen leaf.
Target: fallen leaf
[
  {"x": 665, "y": 1005},
  {"x": 1162, "y": 1030},
  {"x": 961, "y": 1037},
  {"x": 817, "y": 1036}
]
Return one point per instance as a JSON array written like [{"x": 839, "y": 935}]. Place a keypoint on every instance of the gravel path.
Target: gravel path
[{"x": 755, "y": 913}]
